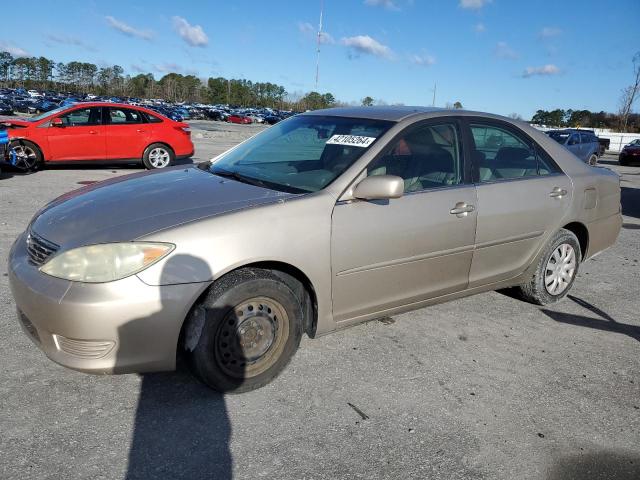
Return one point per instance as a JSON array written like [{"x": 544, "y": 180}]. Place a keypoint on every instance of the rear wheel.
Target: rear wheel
[
  {"x": 593, "y": 159},
  {"x": 623, "y": 161},
  {"x": 27, "y": 155},
  {"x": 157, "y": 155},
  {"x": 556, "y": 270},
  {"x": 251, "y": 327}
]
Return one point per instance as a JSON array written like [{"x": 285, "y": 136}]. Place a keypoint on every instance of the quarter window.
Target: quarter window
[
  {"x": 501, "y": 155},
  {"x": 124, "y": 116},
  {"x": 424, "y": 157}
]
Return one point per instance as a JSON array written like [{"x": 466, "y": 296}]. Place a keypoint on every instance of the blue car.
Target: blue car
[{"x": 582, "y": 143}]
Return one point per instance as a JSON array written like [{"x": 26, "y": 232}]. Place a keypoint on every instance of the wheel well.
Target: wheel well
[
  {"x": 24, "y": 139},
  {"x": 295, "y": 279},
  {"x": 292, "y": 276},
  {"x": 580, "y": 231}
]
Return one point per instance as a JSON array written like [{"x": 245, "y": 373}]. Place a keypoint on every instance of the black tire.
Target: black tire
[
  {"x": 29, "y": 156},
  {"x": 238, "y": 309},
  {"x": 150, "y": 160},
  {"x": 623, "y": 161},
  {"x": 535, "y": 290},
  {"x": 593, "y": 160}
]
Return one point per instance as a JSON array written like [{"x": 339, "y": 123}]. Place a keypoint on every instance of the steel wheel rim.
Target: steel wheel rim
[
  {"x": 251, "y": 337},
  {"x": 159, "y": 158},
  {"x": 560, "y": 269},
  {"x": 26, "y": 157}
]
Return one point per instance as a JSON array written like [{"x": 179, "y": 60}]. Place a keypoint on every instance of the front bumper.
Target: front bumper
[{"x": 116, "y": 327}]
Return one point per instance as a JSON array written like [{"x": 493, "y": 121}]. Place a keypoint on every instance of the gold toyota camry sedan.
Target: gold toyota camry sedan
[{"x": 327, "y": 219}]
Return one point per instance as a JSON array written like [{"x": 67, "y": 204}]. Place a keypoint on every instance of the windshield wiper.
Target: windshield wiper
[{"x": 238, "y": 177}]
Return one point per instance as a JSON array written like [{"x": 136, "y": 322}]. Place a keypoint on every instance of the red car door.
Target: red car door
[
  {"x": 78, "y": 135},
  {"x": 127, "y": 133}
]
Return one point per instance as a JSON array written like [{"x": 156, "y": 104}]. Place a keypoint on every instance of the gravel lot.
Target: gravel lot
[{"x": 484, "y": 387}]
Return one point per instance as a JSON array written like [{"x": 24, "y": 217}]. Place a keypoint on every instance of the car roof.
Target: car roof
[{"x": 399, "y": 113}]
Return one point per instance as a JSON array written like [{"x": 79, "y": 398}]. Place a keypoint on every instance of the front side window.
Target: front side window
[
  {"x": 82, "y": 117},
  {"x": 302, "y": 154},
  {"x": 124, "y": 116},
  {"x": 500, "y": 154},
  {"x": 425, "y": 157}
]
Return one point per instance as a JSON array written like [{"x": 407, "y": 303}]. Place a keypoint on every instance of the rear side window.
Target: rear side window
[
  {"x": 586, "y": 138},
  {"x": 501, "y": 154},
  {"x": 152, "y": 118},
  {"x": 124, "y": 116}
]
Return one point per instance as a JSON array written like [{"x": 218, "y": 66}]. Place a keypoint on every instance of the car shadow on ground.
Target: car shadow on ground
[
  {"x": 181, "y": 428},
  {"x": 605, "y": 322},
  {"x": 603, "y": 465},
  {"x": 630, "y": 200}
]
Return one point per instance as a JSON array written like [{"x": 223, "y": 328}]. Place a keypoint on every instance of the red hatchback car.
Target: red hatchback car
[
  {"x": 237, "y": 118},
  {"x": 108, "y": 132}
]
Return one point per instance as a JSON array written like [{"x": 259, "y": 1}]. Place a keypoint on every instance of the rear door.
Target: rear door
[
  {"x": 574, "y": 145},
  {"x": 522, "y": 196},
  {"x": 127, "y": 133},
  {"x": 80, "y": 137}
]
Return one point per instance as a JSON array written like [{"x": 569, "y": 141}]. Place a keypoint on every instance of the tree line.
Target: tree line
[
  {"x": 585, "y": 118},
  {"x": 82, "y": 78}
]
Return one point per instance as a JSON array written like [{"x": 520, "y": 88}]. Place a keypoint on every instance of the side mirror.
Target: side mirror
[
  {"x": 57, "y": 122},
  {"x": 379, "y": 187}
]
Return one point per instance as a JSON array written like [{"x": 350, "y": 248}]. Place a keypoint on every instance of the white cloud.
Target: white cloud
[
  {"x": 366, "y": 45},
  {"x": 192, "y": 34},
  {"x": 173, "y": 68},
  {"x": 548, "y": 69},
  {"x": 503, "y": 50},
  {"x": 309, "y": 31},
  {"x": 480, "y": 28},
  {"x": 422, "y": 60},
  {"x": 70, "y": 40},
  {"x": 548, "y": 32},
  {"x": 13, "y": 50},
  {"x": 128, "y": 29},
  {"x": 138, "y": 68},
  {"x": 474, "y": 4},
  {"x": 388, "y": 4}
]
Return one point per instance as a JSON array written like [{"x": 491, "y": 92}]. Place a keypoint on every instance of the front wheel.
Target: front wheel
[
  {"x": 249, "y": 329},
  {"x": 27, "y": 155},
  {"x": 157, "y": 155},
  {"x": 556, "y": 270}
]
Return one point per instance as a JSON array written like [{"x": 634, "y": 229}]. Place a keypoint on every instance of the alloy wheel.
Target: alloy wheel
[
  {"x": 26, "y": 157},
  {"x": 159, "y": 157}
]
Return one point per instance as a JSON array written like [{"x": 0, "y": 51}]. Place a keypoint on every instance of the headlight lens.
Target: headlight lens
[{"x": 105, "y": 262}]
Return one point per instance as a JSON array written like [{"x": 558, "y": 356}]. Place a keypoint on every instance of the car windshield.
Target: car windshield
[
  {"x": 560, "y": 137},
  {"x": 47, "y": 114},
  {"x": 302, "y": 154}
]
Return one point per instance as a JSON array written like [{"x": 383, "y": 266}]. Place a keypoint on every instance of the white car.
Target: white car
[{"x": 34, "y": 94}]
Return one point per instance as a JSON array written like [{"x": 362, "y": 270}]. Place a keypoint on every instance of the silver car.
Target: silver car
[{"x": 325, "y": 220}]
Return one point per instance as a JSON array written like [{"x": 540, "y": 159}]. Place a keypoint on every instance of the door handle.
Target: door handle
[
  {"x": 462, "y": 209},
  {"x": 93, "y": 132},
  {"x": 558, "y": 192},
  {"x": 140, "y": 130}
]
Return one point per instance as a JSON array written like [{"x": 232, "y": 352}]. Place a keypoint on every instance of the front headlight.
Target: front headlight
[{"x": 105, "y": 262}]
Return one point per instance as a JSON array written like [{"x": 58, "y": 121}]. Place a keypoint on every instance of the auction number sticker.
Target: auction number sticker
[{"x": 352, "y": 140}]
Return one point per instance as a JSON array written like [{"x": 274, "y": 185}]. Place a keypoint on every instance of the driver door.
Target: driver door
[
  {"x": 386, "y": 254},
  {"x": 81, "y": 136}
]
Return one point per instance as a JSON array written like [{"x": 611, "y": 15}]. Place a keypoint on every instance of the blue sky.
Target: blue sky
[{"x": 502, "y": 56}]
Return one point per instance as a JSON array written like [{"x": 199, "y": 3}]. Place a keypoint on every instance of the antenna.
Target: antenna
[
  {"x": 318, "y": 44},
  {"x": 433, "y": 104}
]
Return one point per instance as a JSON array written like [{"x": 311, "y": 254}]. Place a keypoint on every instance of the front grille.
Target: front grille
[
  {"x": 28, "y": 326},
  {"x": 39, "y": 249},
  {"x": 84, "y": 348}
]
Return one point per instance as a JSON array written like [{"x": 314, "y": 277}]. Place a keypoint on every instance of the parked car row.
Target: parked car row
[{"x": 34, "y": 102}]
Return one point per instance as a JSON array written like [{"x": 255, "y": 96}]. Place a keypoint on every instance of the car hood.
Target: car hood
[{"x": 126, "y": 208}]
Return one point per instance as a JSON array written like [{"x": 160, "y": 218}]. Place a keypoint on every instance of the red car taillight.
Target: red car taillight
[{"x": 186, "y": 130}]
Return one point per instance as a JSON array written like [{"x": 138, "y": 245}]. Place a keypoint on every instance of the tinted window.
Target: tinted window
[
  {"x": 424, "y": 157},
  {"x": 574, "y": 139},
  {"x": 124, "y": 115},
  {"x": 81, "y": 117},
  {"x": 152, "y": 118},
  {"x": 502, "y": 154},
  {"x": 586, "y": 138}
]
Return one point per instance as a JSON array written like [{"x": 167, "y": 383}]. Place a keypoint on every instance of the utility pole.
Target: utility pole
[
  {"x": 433, "y": 103},
  {"x": 228, "y": 92},
  {"x": 318, "y": 44}
]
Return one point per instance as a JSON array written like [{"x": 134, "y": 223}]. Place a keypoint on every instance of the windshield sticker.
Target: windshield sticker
[{"x": 352, "y": 140}]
